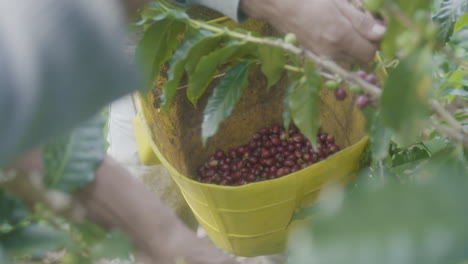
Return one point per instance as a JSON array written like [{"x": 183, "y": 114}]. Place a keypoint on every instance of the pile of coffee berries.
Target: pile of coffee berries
[
  {"x": 363, "y": 100},
  {"x": 270, "y": 154}
]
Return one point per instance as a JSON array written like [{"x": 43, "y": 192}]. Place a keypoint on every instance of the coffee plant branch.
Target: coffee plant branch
[
  {"x": 407, "y": 22},
  {"x": 332, "y": 67}
]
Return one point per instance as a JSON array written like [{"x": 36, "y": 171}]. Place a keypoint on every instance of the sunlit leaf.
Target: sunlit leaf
[
  {"x": 157, "y": 45},
  {"x": 225, "y": 96},
  {"x": 200, "y": 78},
  {"x": 448, "y": 15},
  {"x": 304, "y": 103},
  {"x": 404, "y": 101},
  {"x": 70, "y": 162},
  {"x": 192, "y": 45},
  {"x": 273, "y": 60}
]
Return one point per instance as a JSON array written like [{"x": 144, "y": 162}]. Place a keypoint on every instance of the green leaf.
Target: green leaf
[
  {"x": 200, "y": 78},
  {"x": 404, "y": 102},
  {"x": 286, "y": 109},
  {"x": 387, "y": 224},
  {"x": 70, "y": 162},
  {"x": 115, "y": 245},
  {"x": 395, "y": 29},
  {"x": 304, "y": 103},
  {"x": 89, "y": 232},
  {"x": 157, "y": 45},
  {"x": 461, "y": 23},
  {"x": 273, "y": 60},
  {"x": 415, "y": 153},
  {"x": 12, "y": 212},
  {"x": 224, "y": 98},
  {"x": 448, "y": 15},
  {"x": 177, "y": 63},
  {"x": 380, "y": 136},
  {"x": 34, "y": 240}
]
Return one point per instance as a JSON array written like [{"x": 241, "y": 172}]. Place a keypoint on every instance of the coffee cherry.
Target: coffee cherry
[
  {"x": 355, "y": 89},
  {"x": 363, "y": 101},
  {"x": 297, "y": 138},
  {"x": 266, "y": 153},
  {"x": 334, "y": 148},
  {"x": 330, "y": 139},
  {"x": 341, "y": 94},
  {"x": 251, "y": 178},
  {"x": 232, "y": 153},
  {"x": 332, "y": 85},
  {"x": 276, "y": 141},
  {"x": 264, "y": 131},
  {"x": 275, "y": 129},
  {"x": 224, "y": 182},
  {"x": 371, "y": 78},
  {"x": 219, "y": 154},
  {"x": 213, "y": 163},
  {"x": 289, "y": 163}
]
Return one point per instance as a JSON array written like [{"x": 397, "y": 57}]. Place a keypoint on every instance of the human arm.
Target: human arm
[{"x": 158, "y": 235}]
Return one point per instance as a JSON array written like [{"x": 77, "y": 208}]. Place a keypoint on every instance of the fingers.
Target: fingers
[
  {"x": 360, "y": 50},
  {"x": 366, "y": 25}
]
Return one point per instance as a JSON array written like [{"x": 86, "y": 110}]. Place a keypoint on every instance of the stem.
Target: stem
[
  {"x": 374, "y": 91},
  {"x": 450, "y": 133},
  {"x": 446, "y": 116},
  {"x": 407, "y": 22}
]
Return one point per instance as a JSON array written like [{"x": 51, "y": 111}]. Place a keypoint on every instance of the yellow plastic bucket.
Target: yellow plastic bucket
[{"x": 254, "y": 219}]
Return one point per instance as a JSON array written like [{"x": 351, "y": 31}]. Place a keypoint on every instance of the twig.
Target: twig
[
  {"x": 374, "y": 91},
  {"x": 403, "y": 19},
  {"x": 446, "y": 116},
  {"x": 460, "y": 62},
  {"x": 450, "y": 133}
]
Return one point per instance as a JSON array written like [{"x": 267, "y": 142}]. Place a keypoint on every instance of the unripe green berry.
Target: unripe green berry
[
  {"x": 373, "y": 5},
  {"x": 290, "y": 38},
  {"x": 332, "y": 85},
  {"x": 355, "y": 89}
]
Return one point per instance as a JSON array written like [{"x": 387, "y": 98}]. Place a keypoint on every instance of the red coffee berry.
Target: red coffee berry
[
  {"x": 251, "y": 178},
  {"x": 232, "y": 153},
  {"x": 362, "y": 74},
  {"x": 257, "y": 136},
  {"x": 266, "y": 153},
  {"x": 280, "y": 173},
  {"x": 276, "y": 141},
  {"x": 330, "y": 139},
  {"x": 224, "y": 182},
  {"x": 213, "y": 163},
  {"x": 289, "y": 163},
  {"x": 264, "y": 131},
  {"x": 252, "y": 145},
  {"x": 207, "y": 180},
  {"x": 362, "y": 101},
  {"x": 225, "y": 167},
  {"x": 334, "y": 148},
  {"x": 220, "y": 154},
  {"x": 236, "y": 175},
  {"x": 297, "y": 138},
  {"x": 283, "y": 136},
  {"x": 275, "y": 129},
  {"x": 341, "y": 94},
  {"x": 270, "y": 162}
]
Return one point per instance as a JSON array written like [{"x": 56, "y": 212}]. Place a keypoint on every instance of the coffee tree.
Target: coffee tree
[{"x": 408, "y": 203}]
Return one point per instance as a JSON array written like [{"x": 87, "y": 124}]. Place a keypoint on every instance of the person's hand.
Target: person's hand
[
  {"x": 116, "y": 200},
  {"x": 333, "y": 28}
]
